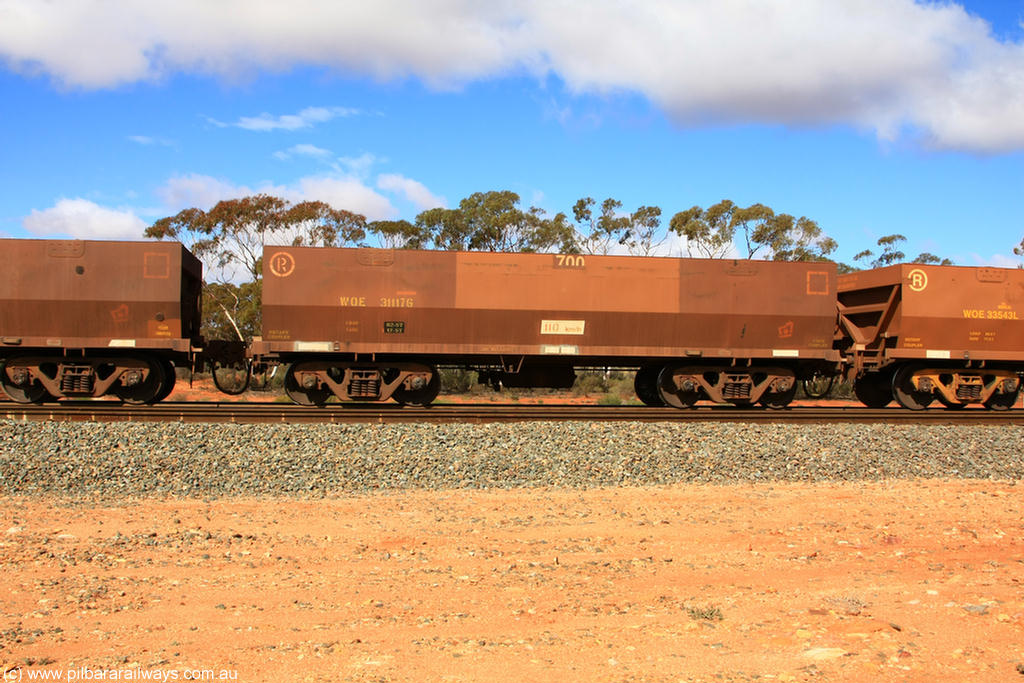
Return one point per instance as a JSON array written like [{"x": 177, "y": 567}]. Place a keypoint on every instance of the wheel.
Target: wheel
[
  {"x": 873, "y": 390},
  {"x": 819, "y": 386},
  {"x": 646, "y": 386},
  {"x": 29, "y": 392},
  {"x": 905, "y": 393},
  {"x": 147, "y": 390},
  {"x": 674, "y": 396},
  {"x": 420, "y": 397},
  {"x": 776, "y": 400},
  {"x": 1003, "y": 401},
  {"x": 170, "y": 379},
  {"x": 314, "y": 396}
]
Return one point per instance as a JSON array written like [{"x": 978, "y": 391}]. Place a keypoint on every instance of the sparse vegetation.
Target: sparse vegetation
[
  {"x": 707, "y": 613},
  {"x": 458, "y": 381},
  {"x": 610, "y": 387}
]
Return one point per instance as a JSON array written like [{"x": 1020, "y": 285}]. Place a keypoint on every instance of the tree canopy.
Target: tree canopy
[
  {"x": 712, "y": 233},
  {"x": 230, "y": 238},
  {"x": 891, "y": 253},
  {"x": 640, "y": 232},
  {"x": 399, "y": 234},
  {"x": 493, "y": 221},
  {"x": 232, "y": 234}
]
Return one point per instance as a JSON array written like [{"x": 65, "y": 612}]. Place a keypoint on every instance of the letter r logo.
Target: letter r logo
[{"x": 918, "y": 279}]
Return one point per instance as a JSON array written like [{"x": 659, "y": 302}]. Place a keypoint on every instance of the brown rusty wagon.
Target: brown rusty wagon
[
  {"x": 375, "y": 324},
  {"x": 917, "y": 333},
  {"x": 89, "y": 318}
]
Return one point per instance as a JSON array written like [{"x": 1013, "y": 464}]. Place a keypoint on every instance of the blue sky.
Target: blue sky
[{"x": 871, "y": 117}]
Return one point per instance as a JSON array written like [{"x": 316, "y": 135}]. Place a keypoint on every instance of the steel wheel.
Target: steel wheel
[
  {"x": 32, "y": 392},
  {"x": 420, "y": 397},
  {"x": 314, "y": 396},
  {"x": 148, "y": 389},
  {"x": 776, "y": 400},
  {"x": 873, "y": 390},
  {"x": 1003, "y": 401},
  {"x": 905, "y": 393},
  {"x": 170, "y": 379},
  {"x": 674, "y": 396},
  {"x": 645, "y": 384}
]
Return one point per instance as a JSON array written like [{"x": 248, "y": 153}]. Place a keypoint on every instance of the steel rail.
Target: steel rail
[{"x": 253, "y": 413}]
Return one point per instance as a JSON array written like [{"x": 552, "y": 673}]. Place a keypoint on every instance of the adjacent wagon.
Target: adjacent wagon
[
  {"x": 89, "y": 318},
  {"x": 918, "y": 333}
]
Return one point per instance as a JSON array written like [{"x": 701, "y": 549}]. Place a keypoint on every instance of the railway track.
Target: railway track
[{"x": 252, "y": 413}]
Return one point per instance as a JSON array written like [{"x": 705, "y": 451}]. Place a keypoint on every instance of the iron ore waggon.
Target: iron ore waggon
[
  {"x": 375, "y": 324},
  {"x": 89, "y": 318},
  {"x": 918, "y": 333}
]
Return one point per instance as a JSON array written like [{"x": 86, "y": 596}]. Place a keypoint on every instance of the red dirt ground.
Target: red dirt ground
[{"x": 909, "y": 580}]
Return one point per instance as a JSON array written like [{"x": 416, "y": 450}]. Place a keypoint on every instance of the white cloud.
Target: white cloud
[
  {"x": 84, "y": 219},
  {"x": 341, "y": 192},
  {"x": 303, "y": 150},
  {"x": 149, "y": 141},
  {"x": 358, "y": 166},
  {"x": 412, "y": 190},
  {"x": 893, "y": 66},
  {"x": 347, "y": 193},
  {"x": 308, "y": 117},
  {"x": 198, "y": 190},
  {"x": 997, "y": 260},
  {"x": 888, "y": 65}
]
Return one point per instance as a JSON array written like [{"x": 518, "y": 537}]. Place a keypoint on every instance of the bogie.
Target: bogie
[
  {"x": 314, "y": 382},
  {"x": 140, "y": 378},
  {"x": 683, "y": 386}
]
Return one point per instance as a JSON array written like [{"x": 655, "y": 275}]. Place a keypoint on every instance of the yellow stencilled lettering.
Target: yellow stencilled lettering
[
  {"x": 570, "y": 261},
  {"x": 1001, "y": 315},
  {"x": 396, "y": 302},
  {"x": 912, "y": 343},
  {"x": 353, "y": 301}
]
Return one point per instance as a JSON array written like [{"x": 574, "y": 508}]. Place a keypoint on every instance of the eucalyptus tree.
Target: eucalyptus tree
[
  {"x": 493, "y": 221},
  {"x": 229, "y": 240},
  {"x": 756, "y": 231}
]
